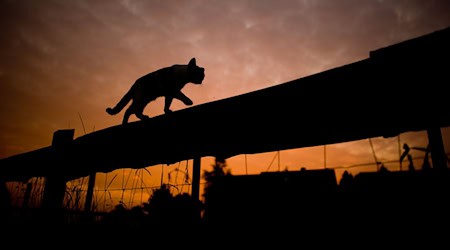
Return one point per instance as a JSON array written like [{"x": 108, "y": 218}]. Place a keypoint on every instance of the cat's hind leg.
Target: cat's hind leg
[
  {"x": 140, "y": 114},
  {"x": 130, "y": 110},
  {"x": 127, "y": 114}
]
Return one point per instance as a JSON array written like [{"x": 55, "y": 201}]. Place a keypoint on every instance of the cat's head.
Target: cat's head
[{"x": 196, "y": 74}]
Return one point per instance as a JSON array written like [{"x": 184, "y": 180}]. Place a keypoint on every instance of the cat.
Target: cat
[{"x": 166, "y": 82}]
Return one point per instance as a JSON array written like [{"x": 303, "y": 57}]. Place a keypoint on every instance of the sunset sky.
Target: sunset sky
[{"x": 64, "y": 59}]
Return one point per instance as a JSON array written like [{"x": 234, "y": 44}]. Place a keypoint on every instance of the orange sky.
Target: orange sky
[{"x": 62, "y": 59}]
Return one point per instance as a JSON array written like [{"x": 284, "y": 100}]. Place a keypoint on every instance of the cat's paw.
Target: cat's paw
[
  {"x": 168, "y": 111},
  {"x": 189, "y": 102},
  {"x": 144, "y": 117}
]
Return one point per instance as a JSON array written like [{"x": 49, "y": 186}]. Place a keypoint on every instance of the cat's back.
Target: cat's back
[
  {"x": 161, "y": 81},
  {"x": 171, "y": 73},
  {"x": 155, "y": 75}
]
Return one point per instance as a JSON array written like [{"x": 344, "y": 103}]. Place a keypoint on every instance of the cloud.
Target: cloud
[
  {"x": 81, "y": 56},
  {"x": 64, "y": 58}
]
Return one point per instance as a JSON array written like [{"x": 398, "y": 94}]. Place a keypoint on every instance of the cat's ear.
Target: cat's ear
[{"x": 192, "y": 62}]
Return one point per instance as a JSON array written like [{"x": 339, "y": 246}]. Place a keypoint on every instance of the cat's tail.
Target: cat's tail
[{"x": 120, "y": 105}]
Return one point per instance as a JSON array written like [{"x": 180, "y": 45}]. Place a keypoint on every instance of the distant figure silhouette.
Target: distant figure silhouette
[
  {"x": 166, "y": 82},
  {"x": 411, "y": 163},
  {"x": 405, "y": 153}
]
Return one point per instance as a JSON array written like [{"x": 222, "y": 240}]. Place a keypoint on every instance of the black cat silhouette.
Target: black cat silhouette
[{"x": 166, "y": 82}]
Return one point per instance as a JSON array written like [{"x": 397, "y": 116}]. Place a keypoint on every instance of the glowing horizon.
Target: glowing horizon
[{"x": 66, "y": 60}]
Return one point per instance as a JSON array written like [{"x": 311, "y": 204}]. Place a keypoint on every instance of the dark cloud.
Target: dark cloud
[{"x": 71, "y": 57}]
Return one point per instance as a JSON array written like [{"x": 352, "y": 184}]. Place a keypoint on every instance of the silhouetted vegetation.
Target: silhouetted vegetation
[
  {"x": 163, "y": 210},
  {"x": 210, "y": 191},
  {"x": 5, "y": 203}
]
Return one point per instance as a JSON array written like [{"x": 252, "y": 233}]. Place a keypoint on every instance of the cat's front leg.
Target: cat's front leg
[
  {"x": 167, "y": 103},
  {"x": 182, "y": 97}
]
